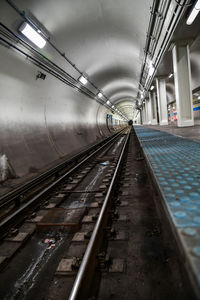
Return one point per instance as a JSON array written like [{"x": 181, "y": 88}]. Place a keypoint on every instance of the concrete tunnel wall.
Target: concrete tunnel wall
[{"x": 42, "y": 120}]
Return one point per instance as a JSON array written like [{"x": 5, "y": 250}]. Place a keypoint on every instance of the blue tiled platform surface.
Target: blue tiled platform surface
[{"x": 175, "y": 162}]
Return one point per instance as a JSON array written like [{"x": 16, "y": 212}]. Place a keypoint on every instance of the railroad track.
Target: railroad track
[
  {"x": 27, "y": 196},
  {"x": 85, "y": 272},
  {"x": 19, "y": 228},
  {"x": 19, "y": 193}
]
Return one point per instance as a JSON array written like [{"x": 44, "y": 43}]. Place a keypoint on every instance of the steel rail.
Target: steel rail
[
  {"x": 86, "y": 259},
  {"x": 9, "y": 220}
]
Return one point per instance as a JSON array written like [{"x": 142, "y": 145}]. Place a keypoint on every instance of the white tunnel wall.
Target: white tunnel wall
[{"x": 42, "y": 120}]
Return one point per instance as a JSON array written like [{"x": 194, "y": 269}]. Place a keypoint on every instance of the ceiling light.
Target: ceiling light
[
  {"x": 171, "y": 75},
  {"x": 194, "y": 12},
  {"x": 32, "y": 35},
  {"x": 108, "y": 102},
  {"x": 112, "y": 106},
  {"x": 198, "y": 97},
  {"x": 152, "y": 87},
  {"x": 100, "y": 95},
  {"x": 151, "y": 68},
  {"x": 83, "y": 80}
]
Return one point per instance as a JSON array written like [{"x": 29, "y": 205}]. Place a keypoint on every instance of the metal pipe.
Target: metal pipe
[
  {"x": 71, "y": 83},
  {"x": 159, "y": 29},
  {"x": 179, "y": 11},
  {"x": 157, "y": 24},
  {"x": 150, "y": 29},
  {"x": 43, "y": 66},
  {"x": 40, "y": 54},
  {"x": 167, "y": 40},
  {"x": 82, "y": 270},
  {"x": 24, "y": 43},
  {"x": 62, "y": 53}
]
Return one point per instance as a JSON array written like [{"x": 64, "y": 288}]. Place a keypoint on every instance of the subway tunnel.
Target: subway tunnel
[
  {"x": 43, "y": 120},
  {"x": 76, "y": 74}
]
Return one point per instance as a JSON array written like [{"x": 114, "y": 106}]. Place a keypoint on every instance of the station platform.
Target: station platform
[
  {"x": 174, "y": 161},
  {"x": 191, "y": 132}
]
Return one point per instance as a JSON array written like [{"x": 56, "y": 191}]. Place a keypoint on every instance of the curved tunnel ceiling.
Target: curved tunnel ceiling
[
  {"x": 104, "y": 38},
  {"x": 127, "y": 107}
]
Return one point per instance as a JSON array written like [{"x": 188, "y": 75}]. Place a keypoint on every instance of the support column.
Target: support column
[
  {"x": 149, "y": 112},
  {"x": 152, "y": 97},
  {"x": 162, "y": 101},
  {"x": 143, "y": 116},
  {"x": 171, "y": 114},
  {"x": 145, "y": 113},
  {"x": 182, "y": 80},
  {"x": 140, "y": 118}
]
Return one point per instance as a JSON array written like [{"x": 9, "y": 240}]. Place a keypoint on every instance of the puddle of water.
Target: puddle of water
[
  {"x": 84, "y": 196},
  {"x": 117, "y": 145},
  {"x": 92, "y": 183},
  {"x": 105, "y": 163}
]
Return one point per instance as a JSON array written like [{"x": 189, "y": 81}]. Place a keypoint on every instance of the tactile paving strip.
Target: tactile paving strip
[{"x": 176, "y": 166}]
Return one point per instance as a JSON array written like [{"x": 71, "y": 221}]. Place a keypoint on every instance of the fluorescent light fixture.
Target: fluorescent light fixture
[
  {"x": 171, "y": 75},
  {"x": 83, "y": 80},
  {"x": 194, "y": 12},
  {"x": 151, "y": 68},
  {"x": 198, "y": 97},
  {"x": 32, "y": 35},
  {"x": 152, "y": 87},
  {"x": 108, "y": 102},
  {"x": 112, "y": 106},
  {"x": 100, "y": 95}
]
